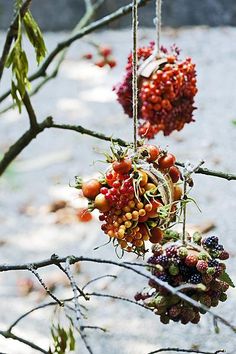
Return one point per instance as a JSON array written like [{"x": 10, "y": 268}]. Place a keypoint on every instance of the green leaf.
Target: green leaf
[
  {"x": 234, "y": 121},
  {"x": 35, "y": 36},
  {"x": 72, "y": 339},
  {"x": 226, "y": 278}
]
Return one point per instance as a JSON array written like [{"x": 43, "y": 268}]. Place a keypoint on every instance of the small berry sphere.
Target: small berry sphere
[{"x": 166, "y": 91}]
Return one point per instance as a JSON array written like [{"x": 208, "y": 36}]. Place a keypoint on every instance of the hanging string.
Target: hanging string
[
  {"x": 158, "y": 26},
  {"x": 135, "y": 70}
]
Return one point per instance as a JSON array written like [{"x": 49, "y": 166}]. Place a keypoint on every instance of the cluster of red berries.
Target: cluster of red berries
[
  {"x": 196, "y": 268},
  {"x": 137, "y": 197},
  {"x": 167, "y": 87},
  {"x": 105, "y": 57}
]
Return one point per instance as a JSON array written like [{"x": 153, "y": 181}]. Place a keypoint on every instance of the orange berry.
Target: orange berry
[
  {"x": 128, "y": 216},
  {"x": 148, "y": 207},
  {"x": 135, "y": 215},
  {"x": 138, "y": 243}
]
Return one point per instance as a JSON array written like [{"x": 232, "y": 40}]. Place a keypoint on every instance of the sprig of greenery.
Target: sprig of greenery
[{"x": 17, "y": 59}]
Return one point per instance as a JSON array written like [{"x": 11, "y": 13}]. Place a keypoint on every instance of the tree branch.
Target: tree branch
[
  {"x": 30, "y": 110},
  {"x": 55, "y": 260},
  {"x": 10, "y": 335},
  {"x": 22, "y": 143},
  {"x": 11, "y": 33},
  {"x": 122, "y": 11}
]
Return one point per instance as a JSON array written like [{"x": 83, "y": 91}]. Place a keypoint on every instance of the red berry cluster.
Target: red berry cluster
[
  {"x": 137, "y": 196},
  {"x": 105, "y": 57},
  {"x": 198, "y": 264},
  {"x": 166, "y": 94}
]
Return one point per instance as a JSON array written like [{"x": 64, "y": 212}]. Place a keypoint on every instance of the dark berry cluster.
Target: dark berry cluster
[
  {"x": 193, "y": 264},
  {"x": 166, "y": 94}
]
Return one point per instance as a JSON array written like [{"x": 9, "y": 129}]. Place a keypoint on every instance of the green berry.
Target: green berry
[
  {"x": 173, "y": 269},
  {"x": 197, "y": 237},
  {"x": 182, "y": 252},
  {"x": 223, "y": 297},
  {"x": 211, "y": 271},
  {"x": 203, "y": 256}
]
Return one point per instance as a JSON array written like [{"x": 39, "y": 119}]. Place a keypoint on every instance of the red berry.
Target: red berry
[{"x": 191, "y": 260}]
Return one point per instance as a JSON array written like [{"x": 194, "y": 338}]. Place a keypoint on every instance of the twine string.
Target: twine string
[
  {"x": 135, "y": 70},
  {"x": 158, "y": 27}
]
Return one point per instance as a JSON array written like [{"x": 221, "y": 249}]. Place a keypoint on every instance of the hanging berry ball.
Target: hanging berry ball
[
  {"x": 135, "y": 197},
  {"x": 196, "y": 267},
  {"x": 167, "y": 87}
]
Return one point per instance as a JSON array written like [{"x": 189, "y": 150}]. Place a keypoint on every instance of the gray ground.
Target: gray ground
[{"x": 82, "y": 95}]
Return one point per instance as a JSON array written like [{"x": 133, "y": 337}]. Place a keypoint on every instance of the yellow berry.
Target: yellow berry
[
  {"x": 121, "y": 233},
  {"x": 142, "y": 212},
  {"x": 126, "y": 209},
  {"x": 111, "y": 233},
  {"x": 119, "y": 220},
  {"x": 128, "y": 216},
  {"x": 135, "y": 215},
  {"x": 124, "y": 218},
  {"x": 139, "y": 205},
  {"x": 138, "y": 243},
  {"x": 118, "y": 212},
  {"x": 122, "y": 227},
  {"x": 116, "y": 224},
  {"x": 131, "y": 204},
  {"x": 128, "y": 224},
  {"x": 138, "y": 236},
  {"x": 145, "y": 237},
  {"x": 148, "y": 207}
]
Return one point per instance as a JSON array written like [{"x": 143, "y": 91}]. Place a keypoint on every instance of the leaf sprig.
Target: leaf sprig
[{"x": 17, "y": 59}]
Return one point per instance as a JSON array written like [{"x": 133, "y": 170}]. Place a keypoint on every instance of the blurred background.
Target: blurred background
[{"x": 175, "y": 13}]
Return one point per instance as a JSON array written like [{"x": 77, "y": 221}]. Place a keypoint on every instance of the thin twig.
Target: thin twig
[
  {"x": 179, "y": 350},
  {"x": 11, "y": 34},
  {"x": 98, "y": 278},
  {"x": 36, "y": 274},
  {"x": 122, "y": 11},
  {"x": 76, "y": 303}
]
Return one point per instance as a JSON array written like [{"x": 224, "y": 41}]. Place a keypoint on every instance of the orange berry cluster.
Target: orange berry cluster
[
  {"x": 166, "y": 94},
  {"x": 137, "y": 197}
]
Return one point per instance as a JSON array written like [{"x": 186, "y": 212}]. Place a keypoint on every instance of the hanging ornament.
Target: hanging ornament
[
  {"x": 197, "y": 268},
  {"x": 137, "y": 197},
  {"x": 167, "y": 86}
]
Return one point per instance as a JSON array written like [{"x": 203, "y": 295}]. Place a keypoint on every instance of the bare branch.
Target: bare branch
[
  {"x": 11, "y": 34},
  {"x": 22, "y": 143},
  {"x": 54, "y": 260},
  {"x": 179, "y": 350},
  {"x": 98, "y": 278}
]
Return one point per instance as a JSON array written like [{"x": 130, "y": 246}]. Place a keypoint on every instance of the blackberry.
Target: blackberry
[
  {"x": 162, "y": 260},
  {"x": 213, "y": 263},
  {"x": 195, "y": 278},
  {"x": 210, "y": 242},
  {"x": 184, "y": 271},
  {"x": 163, "y": 277},
  {"x": 152, "y": 260},
  {"x": 223, "y": 255},
  {"x": 219, "y": 248}
]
